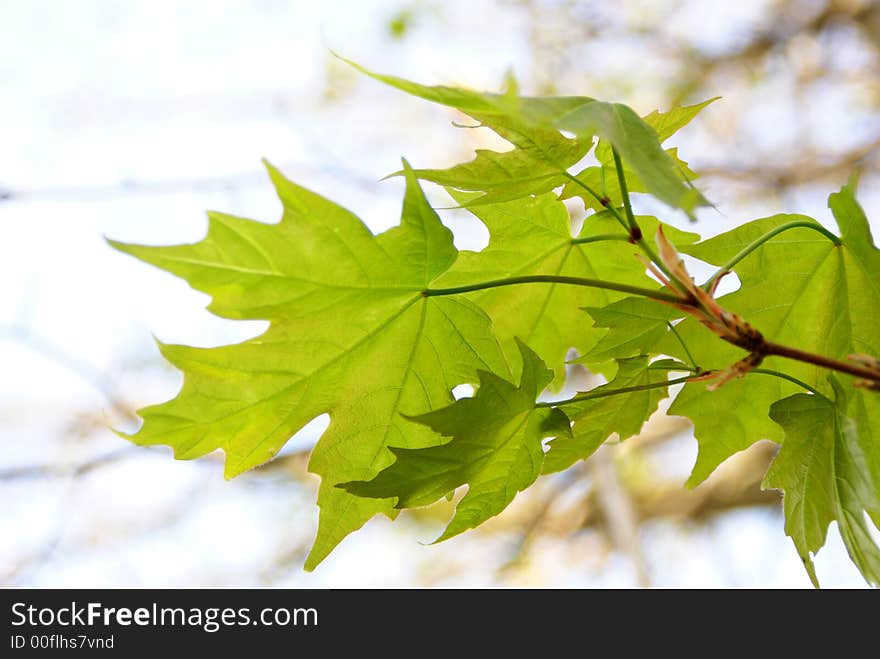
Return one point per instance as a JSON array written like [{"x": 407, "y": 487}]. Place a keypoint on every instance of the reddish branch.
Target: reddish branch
[{"x": 730, "y": 327}]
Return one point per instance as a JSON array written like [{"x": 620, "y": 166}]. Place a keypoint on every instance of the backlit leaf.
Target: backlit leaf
[
  {"x": 823, "y": 469},
  {"x": 495, "y": 449},
  {"x": 618, "y": 124},
  {"x": 351, "y": 335},
  {"x": 533, "y": 236},
  {"x": 596, "y": 419},
  {"x": 799, "y": 289}
]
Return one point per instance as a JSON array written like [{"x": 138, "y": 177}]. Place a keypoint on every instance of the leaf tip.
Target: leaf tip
[
  {"x": 164, "y": 348},
  {"x": 129, "y": 437},
  {"x": 348, "y": 61},
  {"x": 702, "y": 469},
  {"x": 694, "y": 479},
  {"x": 270, "y": 168},
  {"x": 847, "y": 190},
  {"x": 399, "y": 172},
  {"x": 443, "y": 537},
  {"x": 119, "y": 246},
  {"x": 853, "y": 181},
  {"x": 412, "y": 181},
  {"x": 811, "y": 570}
]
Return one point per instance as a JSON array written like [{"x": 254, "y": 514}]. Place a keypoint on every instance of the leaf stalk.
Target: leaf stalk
[
  {"x": 604, "y": 393},
  {"x": 748, "y": 249},
  {"x": 554, "y": 279}
]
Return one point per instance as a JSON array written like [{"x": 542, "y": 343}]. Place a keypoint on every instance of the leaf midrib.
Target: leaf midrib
[{"x": 286, "y": 277}]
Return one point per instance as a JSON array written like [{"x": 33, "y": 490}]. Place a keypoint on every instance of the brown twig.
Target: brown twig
[
  {"x": 870, "y": 374},
  {"x": 730, "y": 327}
]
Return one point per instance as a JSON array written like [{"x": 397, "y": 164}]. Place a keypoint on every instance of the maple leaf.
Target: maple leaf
[
  {"x": 636, "y": 142},
  {"x": 798, "y": 288},
  {"x": 533, "y": 236},
  {"x": 538, "y": 163},
  {"x": 730, "y": 419},
  {"x": 824, "y": 471},
  {"x": 636, "y": 325},
  {"x": 602, "y": 178},
  {"x": 350, "y": 335},
  {"x": 496, "y": 448},
  {"x": 601, "y": 412}
]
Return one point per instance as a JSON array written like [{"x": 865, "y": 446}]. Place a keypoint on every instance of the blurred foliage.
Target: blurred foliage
[{"x": 816, "y": 63}]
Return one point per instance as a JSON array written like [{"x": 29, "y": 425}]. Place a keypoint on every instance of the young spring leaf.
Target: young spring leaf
[
  {"x": 824, "y": 471},
  {"x": 602, "y": 178},
  {"x": 603, "y": 181},
  {"x": 535, "y": 165},
  {"x": 596, "y": 419},
  {"x": 666, "y": 124},
  {"x": 495, "y": 449},
  {"x": 636, "y": 325},
  {"x": 351, "y": 335},
  {"x": 533, "y": 236},
  {"x": 729, "y": 419},
  {"x": 734, "y": 417},
  {"x": 798, "y": 288},
  {"x": 618, "y": 124}
]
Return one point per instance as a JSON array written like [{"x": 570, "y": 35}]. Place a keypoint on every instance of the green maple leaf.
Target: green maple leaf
[
  {"x": 601, "y": 413},
  {"x": 585, "y": 117},
  {"x": 825, "y": 473},
  {"x": 495, "y": 448},
  {"x": 799, "y": 288},
  {"x": 666, "y": 124},
  {"x": 636, "y": 325},
  {"x": 537, "y": 164},
  {"x": 533, "y": 236},
  {"x": 730, "y": 419},
  {"x": 603, "y": 179},
  {"x": 351, "y": 335}
]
